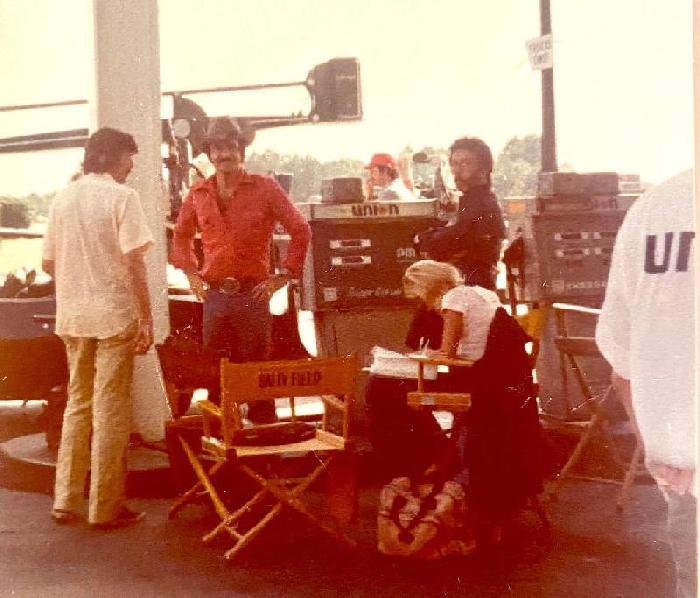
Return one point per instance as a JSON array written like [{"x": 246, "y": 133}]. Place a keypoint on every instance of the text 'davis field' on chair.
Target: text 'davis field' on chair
[{"x": 260, "y": 452}]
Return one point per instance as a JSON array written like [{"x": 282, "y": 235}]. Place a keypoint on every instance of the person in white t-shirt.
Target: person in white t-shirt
[
  {"x": 467, "y": 311},
  {"x": 406, "y": 441},
  {"x": 646, "y": 331},
  {"x": 93, "y": 248}
]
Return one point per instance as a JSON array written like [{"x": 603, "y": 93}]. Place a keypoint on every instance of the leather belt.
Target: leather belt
[{"x": 233, "y": 286}]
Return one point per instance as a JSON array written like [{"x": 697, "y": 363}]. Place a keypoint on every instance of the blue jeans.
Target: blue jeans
[{"x": 240, "y": 327}]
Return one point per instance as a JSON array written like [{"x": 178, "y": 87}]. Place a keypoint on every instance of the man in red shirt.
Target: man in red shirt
[{"x": 236, "y": 213}]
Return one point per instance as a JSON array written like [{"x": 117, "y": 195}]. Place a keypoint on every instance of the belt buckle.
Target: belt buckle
[{"x": 230, "y": 286}]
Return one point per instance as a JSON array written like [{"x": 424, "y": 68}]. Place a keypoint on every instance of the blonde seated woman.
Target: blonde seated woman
[
  {"x": 501, "y": 447},
  {"x": 406, "y": 442},
  {"x": 467, "y": 311}
]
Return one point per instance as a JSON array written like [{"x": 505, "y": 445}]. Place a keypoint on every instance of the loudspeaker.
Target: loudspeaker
[
  {"x": 335, "y": 90},
  {"x": 342, "y": 190}
]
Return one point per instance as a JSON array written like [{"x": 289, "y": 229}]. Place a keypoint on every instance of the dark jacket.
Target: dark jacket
[
  {"x": 473, "y": 242},
  {"x": 504, "y": 450}
]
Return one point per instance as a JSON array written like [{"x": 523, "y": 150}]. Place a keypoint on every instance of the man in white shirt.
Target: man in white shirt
[
  {"x": 647, "y": 332},
  {"x": 384, "y": 182},
  {"x": 93, "y": 247}
]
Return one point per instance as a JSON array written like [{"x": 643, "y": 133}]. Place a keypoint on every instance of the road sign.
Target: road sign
[{"x": 539, "y": 51}]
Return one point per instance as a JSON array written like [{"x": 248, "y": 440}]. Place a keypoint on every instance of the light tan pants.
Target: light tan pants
[{"x": 99, "y": 402}]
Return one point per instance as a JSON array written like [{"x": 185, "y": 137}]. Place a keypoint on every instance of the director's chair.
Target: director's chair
[
  {"x": 252, "y": 449},
  {"x": 572, "y": 350}
]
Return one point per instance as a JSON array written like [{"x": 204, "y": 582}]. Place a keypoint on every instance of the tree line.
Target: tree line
[
  {"x": 515, "y": 168},
  {"x": 515, "y": 172}
]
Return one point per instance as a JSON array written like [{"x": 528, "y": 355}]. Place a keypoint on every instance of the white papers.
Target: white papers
[{"x": 398, "y": 365}]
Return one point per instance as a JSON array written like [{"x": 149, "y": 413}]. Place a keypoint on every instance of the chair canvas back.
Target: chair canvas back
[
  {"x": 186, "y": 364},
  {"x": 532, "y": 323},
  {"x": 270, "y": 380}
]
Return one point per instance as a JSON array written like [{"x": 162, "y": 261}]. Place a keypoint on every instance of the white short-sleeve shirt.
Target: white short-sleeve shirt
[
  {"x": 397, "y": 191},
  {"x": 477, "y": 306},
  {"x": 93, "y": 223},
  {"x": 646, "y": 329}
]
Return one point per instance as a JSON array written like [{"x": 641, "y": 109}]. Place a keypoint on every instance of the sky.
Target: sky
[{"x": 431, "y": 71}]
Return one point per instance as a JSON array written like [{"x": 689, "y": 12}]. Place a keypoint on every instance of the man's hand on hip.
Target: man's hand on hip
[{"x": 265, "y": 290}]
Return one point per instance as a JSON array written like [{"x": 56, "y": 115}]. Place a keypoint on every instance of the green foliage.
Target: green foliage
[
  {"x": 308, "y": 171},
  {"x": 515, "y": 172},
  {"x": 37, "y": 205},
  {"x": 516, "y": 168}
]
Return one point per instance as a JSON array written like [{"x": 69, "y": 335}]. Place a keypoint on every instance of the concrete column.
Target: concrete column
[
  {"x": 696, "y": 105},
  {"x": 127, "y": 97}
]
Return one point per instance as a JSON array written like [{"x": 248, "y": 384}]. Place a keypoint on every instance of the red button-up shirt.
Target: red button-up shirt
[{"x": 237, "y": 242}]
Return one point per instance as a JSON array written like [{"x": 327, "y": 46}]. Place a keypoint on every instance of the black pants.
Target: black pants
[{"x": 406, "y": 441}]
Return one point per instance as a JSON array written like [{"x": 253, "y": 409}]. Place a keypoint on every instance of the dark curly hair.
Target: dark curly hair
[
  {"x": 104, "y": 147},
  {"x": 478, "y": 148}
]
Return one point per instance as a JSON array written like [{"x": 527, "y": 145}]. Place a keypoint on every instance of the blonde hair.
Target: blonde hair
[{"x": 429, "y": 280}]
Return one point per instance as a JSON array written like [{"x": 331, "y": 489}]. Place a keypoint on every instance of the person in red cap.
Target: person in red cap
[{"x": 383, "y": 181}]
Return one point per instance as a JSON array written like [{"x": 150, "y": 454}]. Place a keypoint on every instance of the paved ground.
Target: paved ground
[{"x": 594, "y": 551}]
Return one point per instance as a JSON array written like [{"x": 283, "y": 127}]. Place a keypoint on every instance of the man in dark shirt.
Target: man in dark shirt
[
  {"x": 236, "y": 213},
  {"x": 473, "y": 241}
]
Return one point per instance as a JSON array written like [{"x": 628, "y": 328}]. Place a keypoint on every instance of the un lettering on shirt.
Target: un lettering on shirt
[{"x": 662, "y": 246}]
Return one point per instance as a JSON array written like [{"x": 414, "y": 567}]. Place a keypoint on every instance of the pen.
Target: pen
[{"x": 423, "y": 345}]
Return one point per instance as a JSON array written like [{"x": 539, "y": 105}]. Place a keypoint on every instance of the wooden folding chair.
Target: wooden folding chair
[
  {"x": 447, "y": 402},
  {"x": 438, "y": 401},
  {"x": 571, "y": 350},
  {"x": 332, "y": 379}
]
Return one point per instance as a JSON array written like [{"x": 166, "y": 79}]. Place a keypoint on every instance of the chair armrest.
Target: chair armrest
[
  {"x": 209, "y": 408},
  {"x": 441, "y": 360},
  {"x": 217, "y": 448},
  {"x": 440, "y": 401},
  {"x": 210, "y": 411},
  {"x": 581, "y": 309}
]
